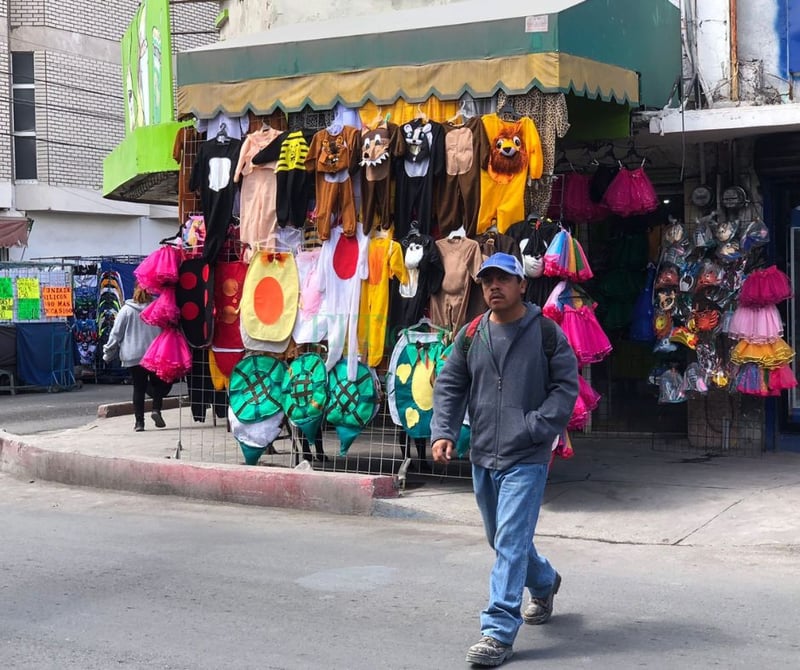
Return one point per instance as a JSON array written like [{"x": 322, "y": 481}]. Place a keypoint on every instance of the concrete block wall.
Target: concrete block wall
[
  {"x": 5, "y": 117},
  {"x": 79, "y": 92}
]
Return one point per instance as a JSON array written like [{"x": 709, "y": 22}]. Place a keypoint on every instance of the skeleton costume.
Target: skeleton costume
[
  {"x": 379, "y": 148},
  {"x": 420, "y": 165},
  {"x": 334, "y": 156}
]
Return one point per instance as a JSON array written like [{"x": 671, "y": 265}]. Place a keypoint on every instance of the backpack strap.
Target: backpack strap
[{"x": 469, "y": 334}]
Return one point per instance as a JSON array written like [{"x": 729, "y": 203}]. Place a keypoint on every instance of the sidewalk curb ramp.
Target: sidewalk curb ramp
[{"x": 337, "y": 493}]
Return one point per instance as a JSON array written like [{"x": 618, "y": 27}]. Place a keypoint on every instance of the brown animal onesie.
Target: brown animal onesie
[
  {"x": 460, "y": 188},
  {"x": 333, "y": 157},
  {"x": 379, "y": 147}
]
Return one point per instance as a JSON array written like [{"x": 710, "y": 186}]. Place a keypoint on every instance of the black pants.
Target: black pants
[{"x": 158, "y": 389}]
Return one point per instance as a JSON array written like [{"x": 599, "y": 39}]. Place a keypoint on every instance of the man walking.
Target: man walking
[{"x": 518, "y": 377}]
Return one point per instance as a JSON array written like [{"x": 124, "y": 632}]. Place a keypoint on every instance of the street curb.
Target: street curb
[
  {"x": 337, "y": 493},
  {"x": 124, "y": 408}
]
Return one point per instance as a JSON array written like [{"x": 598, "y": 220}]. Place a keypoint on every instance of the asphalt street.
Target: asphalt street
[{"x": 96, "y": 580}]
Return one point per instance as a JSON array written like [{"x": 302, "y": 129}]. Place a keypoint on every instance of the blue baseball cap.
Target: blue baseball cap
[{"x": 505, "y": 262}]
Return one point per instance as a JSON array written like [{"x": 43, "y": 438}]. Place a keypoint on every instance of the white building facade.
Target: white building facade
[{"x": 62, "y": 113}]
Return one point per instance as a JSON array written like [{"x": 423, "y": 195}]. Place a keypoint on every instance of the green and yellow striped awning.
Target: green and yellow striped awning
[{"x": 624, "y": 51}]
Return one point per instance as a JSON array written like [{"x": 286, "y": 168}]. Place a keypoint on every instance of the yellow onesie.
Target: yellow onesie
[
  {"x": 514, "y": 154},
  {"x": 385, "y": 261}
]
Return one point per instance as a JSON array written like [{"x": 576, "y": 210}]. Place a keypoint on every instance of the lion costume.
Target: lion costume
[{"x": 513, "y": 155}]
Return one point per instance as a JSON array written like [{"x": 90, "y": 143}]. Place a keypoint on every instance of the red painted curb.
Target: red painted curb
[{"x": 338, "y": 493}]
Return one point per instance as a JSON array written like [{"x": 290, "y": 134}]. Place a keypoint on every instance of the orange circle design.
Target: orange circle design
[
  {"x": 268, "y": 301},
  {"x": 230, "y": 287}
]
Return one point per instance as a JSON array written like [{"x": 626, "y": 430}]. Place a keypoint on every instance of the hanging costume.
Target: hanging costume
[
  {"x": 226, "y": 342},
  {"x": 334, "y": 156},
  {"x": 409, "y": 382},
  {"x": 425, "y": 273},
  {"x": 512, "y": 155},
  {"x": 294, "y": 185},
  {"x": 352, "y": 401},
  {"x": 380, "y": 146},
  {"x": 533, "y": 236},
  {"x": 342, "y": 268},
  {"x": 490, "y": 243},
  {"x": 385, "y": 260},
  {"x": 459, "y": 195},
  {"x": 258, "y": 216},
  {"x": 305, "y": 394},
  {"x": 270, "y": 295},
  {"x": 309, "y": 326},
  {"x": 194, "y": 298},
  {"x": 188, "y": 202},
  {"x": 212, "y": 175},
  {"x": 461, "y": 258},
  {"x": 420, "y": 165}
]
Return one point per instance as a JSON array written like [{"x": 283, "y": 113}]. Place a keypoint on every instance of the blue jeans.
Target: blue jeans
[{"x": 509, "y": 502}]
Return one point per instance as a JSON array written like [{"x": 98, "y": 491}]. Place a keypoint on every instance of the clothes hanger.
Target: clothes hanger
[
  {"x": 378, "y": 118},
  {"x": 457, "y": 233},
  {"x": 222, "y": 134},
  {"x": 420, "y": 114},
  {"x": 507, "y": 112},
  {"x": 265, "y": 124},
  {"x": 459, "y": 114},
  {"x": 413, "y": 231}
]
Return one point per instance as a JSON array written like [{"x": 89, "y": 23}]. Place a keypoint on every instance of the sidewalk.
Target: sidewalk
[{"x": 610, "y": 491}]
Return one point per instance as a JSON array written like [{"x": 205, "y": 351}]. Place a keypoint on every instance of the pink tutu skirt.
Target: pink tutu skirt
[
  {"x": 168, "y": 355},
  {"x": 552, "y": 308},
  {"x": 565, "y": 258},
  {"x": 631, "y": 193},
  {"x": 163, "y": 311},
  {"x": 765, "y": 287},
  {"x": 756, "y": 324},
  {"x": 586, "y": 337},
  {"x": 781, "y": 379},
  {"x": 587, "y": 402},
  {"x": 159, "y": 269},
  {"x": 578, "y": 204}
]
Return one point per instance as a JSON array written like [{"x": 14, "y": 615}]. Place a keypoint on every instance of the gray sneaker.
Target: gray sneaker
[
  {"x": 489, "y": 652},
  {"x": 539, "y": 610},
  {"x": 158, "y": 419}
]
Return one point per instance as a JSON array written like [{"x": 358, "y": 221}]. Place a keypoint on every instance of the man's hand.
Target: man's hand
[{"x": 442, "y": 451}]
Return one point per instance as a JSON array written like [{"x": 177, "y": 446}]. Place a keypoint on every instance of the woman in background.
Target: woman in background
[{"x": 129, "y": 340}]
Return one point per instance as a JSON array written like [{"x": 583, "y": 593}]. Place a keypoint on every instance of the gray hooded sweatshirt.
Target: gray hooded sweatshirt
[
  {"x": 130, "y": 337},
  {"x": 517, "y": 405}
]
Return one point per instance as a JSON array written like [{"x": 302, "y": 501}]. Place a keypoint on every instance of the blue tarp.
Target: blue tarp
[{"x": 44, "y": 355}]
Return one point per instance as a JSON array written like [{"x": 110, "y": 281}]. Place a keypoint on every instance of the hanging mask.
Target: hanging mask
[
  {"x": 729, "y": 251},
  {"x": 755, "y": 235},
  {"x": 670, "y": 387},
  {"x": 725, "y": 230},
  {"x": 533, "y": 266},
  {"x": 703, "y": 236},
  {"x": 667, "y": 276},
  {"x": 662, "y": 324},
  {"x": 709, "y": 277},
  {"x": 674, "y": 234},
  {"x": 694, "y": 380},
  {"x": 666, "y": 299}
]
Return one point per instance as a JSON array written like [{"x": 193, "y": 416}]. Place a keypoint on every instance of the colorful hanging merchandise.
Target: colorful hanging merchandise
[
  {"x": 255, "y": 403},
  {"x": 310, "y": 326},
  {"x": 425, "y": 273},
  {"x": 168, "y": 356},
  {"x": 305, "y": 394},
  {"x": 270, "y": 296},
  {"x": 565, "y": 258},
  {"x": 461, "y": 258},
  {"x": 163, "y": 312},
  {"x": 342, "y": 267},
  {"x": 381, "y": 146},
  {"x": 193, "y": 295},
  {"x": 334, "y": 155},
  {"x": 462, "y": 442},
  {"x": 573, "y": 309},
  {"x": 409, "y": 382},
  {"x": 160, "y": 268},
  {"x": 351, "y": 404},
  {"x": 420, "y": 165},
  {"x": 578, "y": 204},
  {"x": 226, "y": 343},
  {"x": 631, "y": 193},
  {"x": 762, "y": 354},
  {"x": 385, "y": 261},
  {"x": 587, "y": 401}
]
